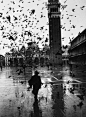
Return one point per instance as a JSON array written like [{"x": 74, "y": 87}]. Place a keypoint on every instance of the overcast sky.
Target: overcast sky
[
  {"x": 18, "y": 16},
  {"x": 73, "y": 18}
]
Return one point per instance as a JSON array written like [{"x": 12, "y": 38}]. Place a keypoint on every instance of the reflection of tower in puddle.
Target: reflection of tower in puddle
[
  {"x": 69, "y": 99},
  {"x": 57, "y": 71},
  {"x": 58, "y": 103}
]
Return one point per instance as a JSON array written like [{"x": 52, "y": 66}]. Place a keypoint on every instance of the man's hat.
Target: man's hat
[{"x": 36, "y": 72}]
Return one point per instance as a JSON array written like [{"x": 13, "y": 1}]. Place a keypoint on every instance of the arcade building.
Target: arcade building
[{"x": 77, "y": 51}]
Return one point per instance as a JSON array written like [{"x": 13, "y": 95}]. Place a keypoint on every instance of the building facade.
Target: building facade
[
  {"x": 77, "y": 51},
  {"x": 54, "y": 31},
  {"x": 13, "y": 60},
  {"x": 26, "y": 56},
  {"x": 8, "y": 56}
]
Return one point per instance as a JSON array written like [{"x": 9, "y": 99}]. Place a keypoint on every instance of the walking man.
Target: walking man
[{"x": 35, "y": 81}]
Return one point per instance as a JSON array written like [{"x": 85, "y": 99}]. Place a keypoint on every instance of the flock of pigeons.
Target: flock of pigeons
[
  {"x": 68, "y": 18},
  {"x": 15, "y": 23}
]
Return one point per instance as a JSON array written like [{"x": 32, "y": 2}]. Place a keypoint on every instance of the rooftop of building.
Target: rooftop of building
[{"x": 79, "y": 35}]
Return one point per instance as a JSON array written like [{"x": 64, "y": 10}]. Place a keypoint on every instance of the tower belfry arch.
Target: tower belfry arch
[{"x": 54, "y": 31}]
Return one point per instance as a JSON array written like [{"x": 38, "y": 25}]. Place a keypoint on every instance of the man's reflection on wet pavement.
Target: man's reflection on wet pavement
[{"x": 37, "y": 112}]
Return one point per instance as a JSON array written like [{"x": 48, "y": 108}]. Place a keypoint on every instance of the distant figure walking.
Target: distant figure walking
[
  {"x": 35, "y": 81},
  {"x": 48, "y": 66},
  {"x": 1, "y": 67},
  {"x": 24, "y": 66}
]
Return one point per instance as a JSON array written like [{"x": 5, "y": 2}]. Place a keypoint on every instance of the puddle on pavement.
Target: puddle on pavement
[{"x": 64, "y": 99}]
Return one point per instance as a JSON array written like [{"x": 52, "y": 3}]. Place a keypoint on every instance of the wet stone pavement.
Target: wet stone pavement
[{"x": 61, "y": 95}]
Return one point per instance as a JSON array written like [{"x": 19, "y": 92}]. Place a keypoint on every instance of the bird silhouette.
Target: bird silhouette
[
  {"x": 71, "y": 90},
  {"x": 80, "y": 104},
  {"x": 9, "y": 18},
  {"x": 81, "y": 97},
  {"x": 73, "y": 10},
  {"x": 9, "y": 76},
  {"x": 32, "y": 11},
  {"x": 20, "y": 71},
  {"x": 22, "y": 82}
]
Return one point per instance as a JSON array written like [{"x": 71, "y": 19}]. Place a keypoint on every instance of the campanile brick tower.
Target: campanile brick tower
[{"x": 54, "y": 31}]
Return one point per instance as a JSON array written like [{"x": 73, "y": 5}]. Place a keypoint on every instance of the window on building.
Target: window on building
[{"x": 54, "y": 10}]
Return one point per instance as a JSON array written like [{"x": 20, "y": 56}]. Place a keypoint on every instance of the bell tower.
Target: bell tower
[{"x": 54, "y": 31}]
